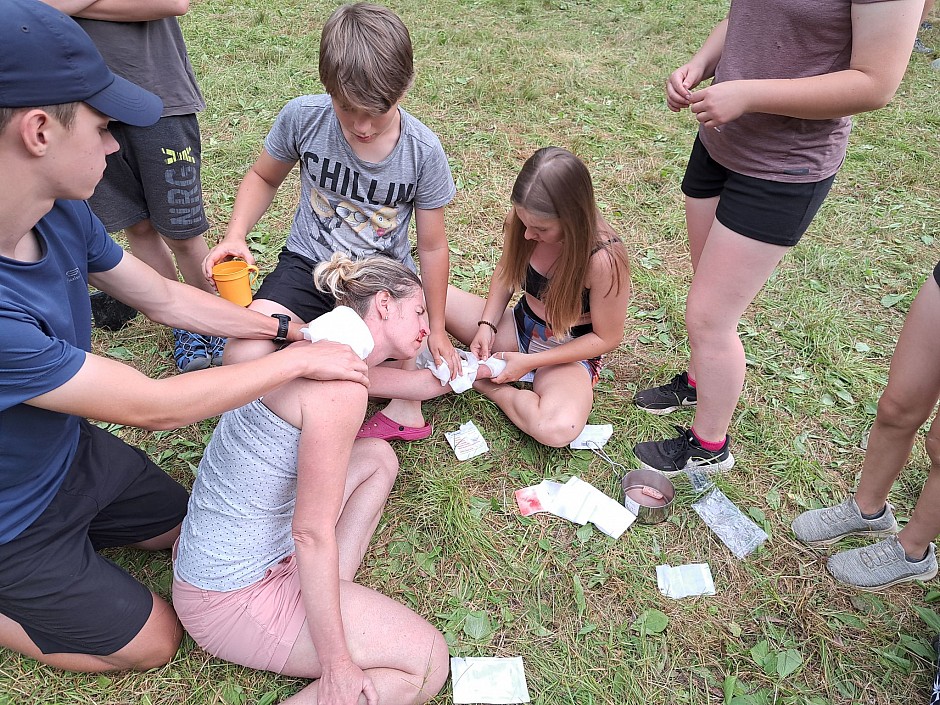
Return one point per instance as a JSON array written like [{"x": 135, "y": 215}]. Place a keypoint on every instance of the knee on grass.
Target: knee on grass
[
  {"x": 154, "y": 647},
  {"x": 159, "y": 655},
  {"x": 434, "y": 669},
  {"x": 377, "y": 462},
  {"x": 556, "y": 432}
]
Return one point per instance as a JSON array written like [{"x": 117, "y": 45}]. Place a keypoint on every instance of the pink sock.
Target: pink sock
[
  {"x": 691, "y": 381},
  {"x": 708, "y": 445}
]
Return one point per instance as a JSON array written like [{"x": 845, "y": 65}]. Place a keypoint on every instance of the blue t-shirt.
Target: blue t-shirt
[{"x": 45, "y": 331}]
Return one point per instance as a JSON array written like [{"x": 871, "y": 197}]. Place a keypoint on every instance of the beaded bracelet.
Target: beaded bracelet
[{"x": 487, "y": 323}]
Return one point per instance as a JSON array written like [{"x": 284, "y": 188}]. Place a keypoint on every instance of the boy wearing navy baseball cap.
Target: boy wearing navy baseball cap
[{"x": 67, "y": 487}]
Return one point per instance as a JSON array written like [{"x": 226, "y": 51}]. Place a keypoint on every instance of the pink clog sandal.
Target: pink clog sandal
[{"x": 380, "y": 426}]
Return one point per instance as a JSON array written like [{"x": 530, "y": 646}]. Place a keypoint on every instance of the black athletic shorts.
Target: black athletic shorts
[
  {"x": 775, "y": 212},
  {"x": 291, "y": 285},
  {"x": 66, "y": 597}
]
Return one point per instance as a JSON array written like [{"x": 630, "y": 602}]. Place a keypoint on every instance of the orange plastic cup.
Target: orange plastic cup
[{"x": 234, "y": 280}]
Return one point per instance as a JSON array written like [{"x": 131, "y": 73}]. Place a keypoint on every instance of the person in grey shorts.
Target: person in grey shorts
[{"x": 152, "y": 188}]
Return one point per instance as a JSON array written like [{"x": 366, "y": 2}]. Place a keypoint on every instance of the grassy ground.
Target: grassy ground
[{"x": 497, "y": 79}]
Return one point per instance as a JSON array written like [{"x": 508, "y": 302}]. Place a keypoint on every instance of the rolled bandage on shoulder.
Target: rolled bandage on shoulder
[{"x": 341, "y": 325}]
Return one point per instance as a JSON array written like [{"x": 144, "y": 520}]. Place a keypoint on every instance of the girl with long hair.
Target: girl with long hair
[{"x": 575, "y": 278}]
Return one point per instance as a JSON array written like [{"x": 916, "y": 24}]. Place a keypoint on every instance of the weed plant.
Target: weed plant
[{"x": 496, "y": 80}]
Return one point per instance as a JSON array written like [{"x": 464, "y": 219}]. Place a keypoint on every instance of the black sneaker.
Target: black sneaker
[
  {"x": 109, "y": 313},
  {"x": 672, "y": 455},
  {"x": 669, "y": 397}
]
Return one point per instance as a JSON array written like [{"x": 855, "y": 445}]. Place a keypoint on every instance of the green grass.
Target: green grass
[{"x": 496, "y": 80}]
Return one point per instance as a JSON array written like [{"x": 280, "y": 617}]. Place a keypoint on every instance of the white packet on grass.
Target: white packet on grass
[
  {"x": 685, "y": 580},
  {"x": 593, "y": 436},
  {"x": 467, "y": 441},
  {"x": 488, "y": 680}
]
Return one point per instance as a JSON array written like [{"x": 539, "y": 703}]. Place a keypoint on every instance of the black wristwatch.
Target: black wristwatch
[{"x": 283, "y": 325}]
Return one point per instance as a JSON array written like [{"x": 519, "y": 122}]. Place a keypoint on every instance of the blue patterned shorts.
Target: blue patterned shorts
[{"x": 534, "y": 335}]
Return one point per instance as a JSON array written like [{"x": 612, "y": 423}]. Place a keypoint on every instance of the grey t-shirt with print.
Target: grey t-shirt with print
[{"x": 350, "y": 205}]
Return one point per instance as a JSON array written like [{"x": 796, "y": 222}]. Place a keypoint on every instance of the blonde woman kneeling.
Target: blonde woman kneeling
[{"x": 282, "y": 511}]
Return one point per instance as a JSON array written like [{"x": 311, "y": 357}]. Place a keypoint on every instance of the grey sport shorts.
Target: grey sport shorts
[{"x": 156, "y": 175}]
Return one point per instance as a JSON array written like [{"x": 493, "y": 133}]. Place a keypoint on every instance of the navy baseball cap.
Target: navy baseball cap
[{"x": 47, "y": 59}]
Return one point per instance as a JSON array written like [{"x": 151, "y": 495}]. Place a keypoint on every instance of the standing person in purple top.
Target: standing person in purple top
[{"x": 772, "y": 135}]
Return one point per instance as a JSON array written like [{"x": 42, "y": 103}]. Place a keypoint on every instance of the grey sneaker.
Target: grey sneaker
[
  {"x": 921, "y": 48},
  {"x": 821, "y": 527},
  {"x": 881, "y": 565}
]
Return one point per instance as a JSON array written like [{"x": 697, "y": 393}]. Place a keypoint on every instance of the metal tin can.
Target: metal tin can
[{"x": 649, "y": 495}]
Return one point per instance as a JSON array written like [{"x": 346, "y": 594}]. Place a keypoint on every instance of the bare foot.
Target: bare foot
[{"x": 405, "y": 413}]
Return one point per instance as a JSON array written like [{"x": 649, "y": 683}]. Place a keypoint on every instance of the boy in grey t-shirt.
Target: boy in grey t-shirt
[
  {"x": 366, "y": 166},
  {"x": 348, "y": 204}
]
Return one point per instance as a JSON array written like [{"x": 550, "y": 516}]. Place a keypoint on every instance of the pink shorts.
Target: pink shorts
[{"x": 255, "y": 626}]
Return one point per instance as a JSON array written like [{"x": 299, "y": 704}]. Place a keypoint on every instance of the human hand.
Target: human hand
[
  {"x": 482, "y": 343},
  {"x": 517, "y": 366},
  {"x": 720, "y": 103},
  {"x": 679, "y": 86},
  {"x": 442, "y": 349},
  {"x": 226, "y": 249},
  {"x": 326, "y": 360},
  {"x": 342, "y": 683}
]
